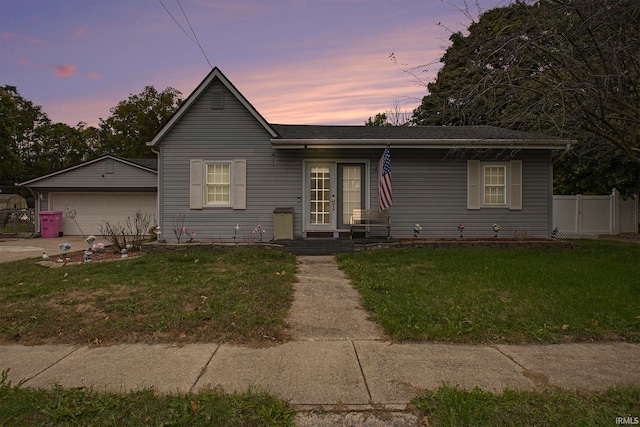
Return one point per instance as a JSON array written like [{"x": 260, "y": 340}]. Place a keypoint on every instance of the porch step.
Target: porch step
[{"x": 317, "y": 246}]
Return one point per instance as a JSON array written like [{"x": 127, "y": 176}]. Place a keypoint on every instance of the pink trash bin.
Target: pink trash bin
[{"x": 50, "y": 223}]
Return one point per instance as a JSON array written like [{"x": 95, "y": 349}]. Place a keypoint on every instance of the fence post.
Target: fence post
[
  {"x": 578, "y": 213},
  {"x": 614, "y": 221},
  {"x": 15, "y": 219}
]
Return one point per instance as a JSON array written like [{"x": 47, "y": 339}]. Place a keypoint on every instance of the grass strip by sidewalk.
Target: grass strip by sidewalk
[
  {"x": 74, "y": 407},
  {"x": 450, "y": 406},
  {"x": 489, "y": 295},
  {"x": 239, "y": 296}
]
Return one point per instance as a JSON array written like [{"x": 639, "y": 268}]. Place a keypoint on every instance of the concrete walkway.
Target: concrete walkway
[{"x": 338, "y": 360}]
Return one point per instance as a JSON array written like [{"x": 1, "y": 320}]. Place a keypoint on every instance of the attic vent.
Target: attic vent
[
  {"x": 108, "y": 166},
  {"x": 217, "y": 100}
]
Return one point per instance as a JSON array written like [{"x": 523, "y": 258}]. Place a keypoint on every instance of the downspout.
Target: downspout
[{"x": 158, "y": 192}]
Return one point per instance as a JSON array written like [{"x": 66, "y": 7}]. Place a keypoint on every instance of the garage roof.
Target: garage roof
[{"x": 107, "y": 171}]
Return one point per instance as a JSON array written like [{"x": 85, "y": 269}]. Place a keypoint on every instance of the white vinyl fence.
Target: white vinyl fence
[{"x": 584, "y": 215}]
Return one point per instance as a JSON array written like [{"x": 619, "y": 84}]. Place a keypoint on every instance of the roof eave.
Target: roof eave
[{"x": 294, "y": 143}]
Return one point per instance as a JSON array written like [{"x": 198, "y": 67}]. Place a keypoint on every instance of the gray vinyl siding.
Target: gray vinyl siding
[
  {"x": 429, "y": 186},
  {"x": 430, "y": 189},
  {"x": 94, "y": 176},
  {"x": 225, "y": 134}
]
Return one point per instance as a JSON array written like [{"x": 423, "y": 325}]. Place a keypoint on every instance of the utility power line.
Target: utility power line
[{"x": 194, "y": 39}]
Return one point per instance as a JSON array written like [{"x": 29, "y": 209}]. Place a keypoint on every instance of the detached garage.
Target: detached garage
[{"x": 108, "y": 188}]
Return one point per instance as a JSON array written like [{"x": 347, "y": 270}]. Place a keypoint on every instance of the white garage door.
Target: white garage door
[{"x": 93, "y": 209}]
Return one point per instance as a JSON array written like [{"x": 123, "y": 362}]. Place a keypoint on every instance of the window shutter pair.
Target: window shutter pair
[
  {"x": 474, "y": 185},
  {"x": 238, "y": 186}
]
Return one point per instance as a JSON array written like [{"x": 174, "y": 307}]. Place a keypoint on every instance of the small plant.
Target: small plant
[
  {"x": 416, "y": 230},
  {"x": 259, "y": 231},
  {"x": 496, "y": 229},
  {"x": 554, "y": 232},
  {"x": 461, "y": 229},
  {"x": 180, "y": 230},
  {"x": 131, "y": 234},
  {"x": 185, "y": 233},
  {"x": 154, "y": 233}
]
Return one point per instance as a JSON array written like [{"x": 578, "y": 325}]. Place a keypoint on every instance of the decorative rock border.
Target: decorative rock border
[
  {"x": 573, "y": 235},
  {"x": 497, "y": 243},
  {"x": 157, "y": 247}
]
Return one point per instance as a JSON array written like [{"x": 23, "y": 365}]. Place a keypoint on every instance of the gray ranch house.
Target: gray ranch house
[{"x": 223, "y": 170}]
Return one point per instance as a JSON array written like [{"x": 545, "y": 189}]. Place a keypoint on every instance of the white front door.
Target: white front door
[
  {"x": 320, "y": 196},
  {"x": 332, "y": 191}
]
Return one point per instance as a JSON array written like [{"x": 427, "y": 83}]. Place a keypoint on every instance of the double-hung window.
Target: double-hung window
[
  {"x": 218, "y": 183},
  {"x": 494, "y": 185}
]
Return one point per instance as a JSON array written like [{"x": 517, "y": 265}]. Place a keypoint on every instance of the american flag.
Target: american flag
[{"x": 385, "y": 196}]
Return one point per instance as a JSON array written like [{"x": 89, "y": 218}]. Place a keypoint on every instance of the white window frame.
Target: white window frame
[
  {"x": 207, "y": 184},
  {"x": 504, "y": 185}
]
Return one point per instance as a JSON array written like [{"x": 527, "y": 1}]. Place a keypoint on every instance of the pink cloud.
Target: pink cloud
[
  {"x": 79, "y": 32},
  {"x": 8, "y": 36},
  {"x": 345, "y": 86},
  {"x": 64, "y": 70},
  {"x": 34, "y": 40},
  {"x": 94, "y": 76}
]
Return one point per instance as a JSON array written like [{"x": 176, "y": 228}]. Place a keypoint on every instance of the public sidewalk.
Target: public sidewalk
[{"x": 336, "y": 360}]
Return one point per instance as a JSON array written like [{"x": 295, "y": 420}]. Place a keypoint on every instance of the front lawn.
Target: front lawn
[
  {"x": 75, "y": 407},
  {"x": 488, "y": 295},
  {"x": 237, "y": 296},
  {"x": 450, "y": 406}
]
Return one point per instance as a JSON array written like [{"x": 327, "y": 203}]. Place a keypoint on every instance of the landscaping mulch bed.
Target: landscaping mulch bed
[{"x": 74, "y": 258}]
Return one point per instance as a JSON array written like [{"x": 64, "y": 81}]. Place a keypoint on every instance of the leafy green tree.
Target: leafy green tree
[
  {"x": 379, "y": 120},
  {"x": 31, "y": 145},
  {"x": 135, "y": 121},
  {"x": 55, "y": 146},
  {"x": 10, "y": 162},
  {"x": 19, "y": 120},
  {"x": 561, "y": 67}
]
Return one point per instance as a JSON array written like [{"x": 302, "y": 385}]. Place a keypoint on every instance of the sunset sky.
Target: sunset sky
[{"x": 296, "y": 61}]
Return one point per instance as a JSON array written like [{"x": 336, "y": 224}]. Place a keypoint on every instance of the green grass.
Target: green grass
[
  {"x": 236, "y": 296},
  {"x": 450, "y": 406},
  {"x": 74, "y": 407},
  {"x": 482, "y": 295}
]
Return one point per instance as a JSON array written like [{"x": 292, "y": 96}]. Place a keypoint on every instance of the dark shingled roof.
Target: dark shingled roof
[
  {"x": 314, "y": 132},
  {"x": 145, "y": 163}
]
